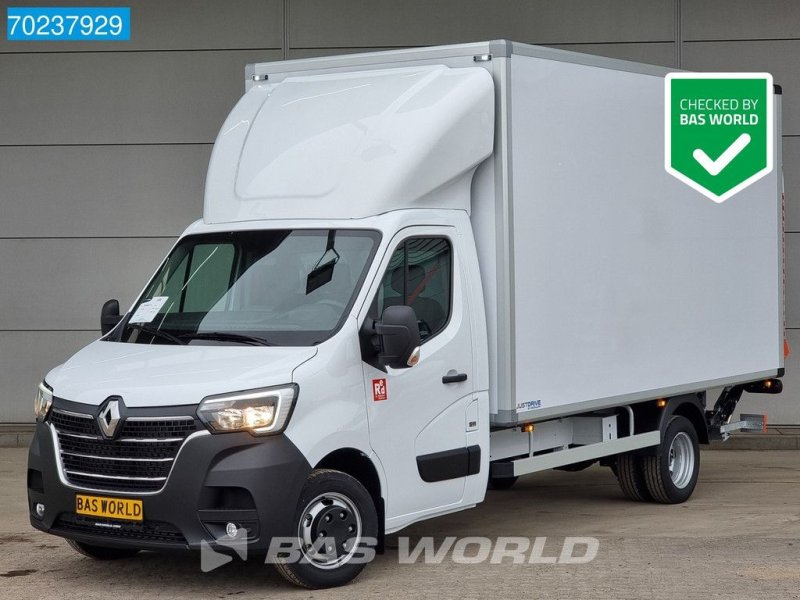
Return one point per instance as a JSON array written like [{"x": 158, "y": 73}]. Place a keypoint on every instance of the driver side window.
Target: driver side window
[{"x": 420, "y": 276}]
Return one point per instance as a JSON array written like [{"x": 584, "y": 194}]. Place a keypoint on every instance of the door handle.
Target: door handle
[{"x": 453, "y": 377}]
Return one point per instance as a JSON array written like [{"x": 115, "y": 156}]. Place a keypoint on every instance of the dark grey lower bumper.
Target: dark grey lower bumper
[{"x": 216, "y": 479}]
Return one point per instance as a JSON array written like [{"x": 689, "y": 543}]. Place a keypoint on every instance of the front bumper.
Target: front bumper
[{"x": 216, "y": 479}]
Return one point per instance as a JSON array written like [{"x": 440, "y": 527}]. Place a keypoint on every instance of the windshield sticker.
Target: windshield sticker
[{"x": 148, "y": 310}]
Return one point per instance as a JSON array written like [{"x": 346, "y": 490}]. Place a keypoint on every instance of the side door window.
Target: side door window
[{"x": 420, "y": 275}]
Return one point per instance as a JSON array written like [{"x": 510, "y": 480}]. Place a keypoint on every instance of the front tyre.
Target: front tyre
[
  {"x": 337, "y": 527},
  {"x": 102, "y": 552},
  {"x": 671, "y": 475}
]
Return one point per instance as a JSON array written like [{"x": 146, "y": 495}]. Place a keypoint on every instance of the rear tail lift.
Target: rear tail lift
[{"x": 719, "y": 418}]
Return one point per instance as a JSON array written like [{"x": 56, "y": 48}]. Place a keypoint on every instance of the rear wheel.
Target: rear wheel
[
  {"x": 335, "y": 517},
  {"x": 102, "y": 552},
  {"x": 671, "y": 475},
  {"x": 630, "y": 475}
]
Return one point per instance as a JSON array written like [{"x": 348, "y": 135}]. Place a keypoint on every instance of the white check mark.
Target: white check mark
[{"x": 714, "y": 167}]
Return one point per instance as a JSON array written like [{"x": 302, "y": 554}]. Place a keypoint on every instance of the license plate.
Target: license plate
[{"x": 109, "y": 508}]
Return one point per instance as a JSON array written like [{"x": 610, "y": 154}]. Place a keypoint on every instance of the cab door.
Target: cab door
[{"x": 419, "y": 417}]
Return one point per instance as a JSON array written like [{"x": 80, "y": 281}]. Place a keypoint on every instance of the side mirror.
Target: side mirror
[
  {"x": 398, "y": 334},
  {"x": 109, "y": 316}
]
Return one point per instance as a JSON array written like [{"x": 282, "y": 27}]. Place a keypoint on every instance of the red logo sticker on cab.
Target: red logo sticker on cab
[{"x": 379, "y": 390}]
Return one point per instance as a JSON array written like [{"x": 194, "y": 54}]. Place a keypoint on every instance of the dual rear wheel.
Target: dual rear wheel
[{"x": 669, "y": 476}]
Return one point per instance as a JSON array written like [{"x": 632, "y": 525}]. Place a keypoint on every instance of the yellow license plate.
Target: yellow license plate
[{"x": 110, "y": 508}]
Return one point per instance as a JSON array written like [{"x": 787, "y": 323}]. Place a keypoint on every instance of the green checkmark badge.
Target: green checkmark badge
[{"x": 718, "y": 130}]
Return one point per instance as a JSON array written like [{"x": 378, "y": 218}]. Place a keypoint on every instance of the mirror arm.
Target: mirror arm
[{"x": 370, "y": 330}]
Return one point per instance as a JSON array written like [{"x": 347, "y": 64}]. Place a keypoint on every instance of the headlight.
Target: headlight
[
  {"x": 43, "y": 400},
  {"x": 259, "y": 412}
]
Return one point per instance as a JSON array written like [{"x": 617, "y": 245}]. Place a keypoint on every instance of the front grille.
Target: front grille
[
  {"x": 151, "y": 450},
  {"x": 148, "y": 531},
  {"x": 158, "y": 429},
  {"x": 110, "y": 467},
  {"x": 139, "y": 460},
  {"x": 74, "y": 423}
]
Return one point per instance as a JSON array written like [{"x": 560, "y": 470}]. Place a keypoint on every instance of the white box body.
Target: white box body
[{"x": 606, "y": 281}]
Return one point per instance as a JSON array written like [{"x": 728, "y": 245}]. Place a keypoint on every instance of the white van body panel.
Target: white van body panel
[
  {"x": 167, "y": 375},
  {"x": 626, "y": 282},
  {"x": 431, "y": 422},
  {"x": 352, "y": 145},
  {"x": 330, "y": 411}
]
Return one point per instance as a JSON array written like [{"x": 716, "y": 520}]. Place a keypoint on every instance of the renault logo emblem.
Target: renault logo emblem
[{"x": 109, "y": 418}]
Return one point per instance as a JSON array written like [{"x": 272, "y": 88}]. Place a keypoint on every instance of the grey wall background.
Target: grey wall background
[{"x": 104, "y": 146}]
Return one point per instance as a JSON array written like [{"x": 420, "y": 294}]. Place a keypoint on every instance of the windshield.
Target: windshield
[{"x": 270, "y": 287}]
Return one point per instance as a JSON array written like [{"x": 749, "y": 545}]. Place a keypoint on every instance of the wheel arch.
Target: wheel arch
[
  {"x": 359, "y": 466},
  {"x": 696, "y": 415},
  {"x": 650, "y": 415}
]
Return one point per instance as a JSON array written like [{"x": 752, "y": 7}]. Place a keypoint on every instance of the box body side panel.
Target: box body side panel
[{"x": 626, "y": 281}]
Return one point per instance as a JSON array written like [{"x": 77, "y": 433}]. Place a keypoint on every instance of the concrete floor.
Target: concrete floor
[{"x": 738, "y": 537}]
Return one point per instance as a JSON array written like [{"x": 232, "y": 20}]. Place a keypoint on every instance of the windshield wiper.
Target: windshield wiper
[
  {"x": 221, "y": 336},
  {"x": 157, "y": 333}
]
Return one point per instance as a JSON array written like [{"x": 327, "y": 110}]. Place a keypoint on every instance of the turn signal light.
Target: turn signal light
[{"x": 766, "y": 386}]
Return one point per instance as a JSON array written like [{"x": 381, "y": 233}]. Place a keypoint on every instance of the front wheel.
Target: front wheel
[
  {"x": 671, "y": 475},
  {"x": 337, "y": 528},
  {"x": 102, "y": 552}
]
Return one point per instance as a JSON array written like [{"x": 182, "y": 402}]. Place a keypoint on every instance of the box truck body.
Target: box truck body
[{"x": 417, "y": 271}]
